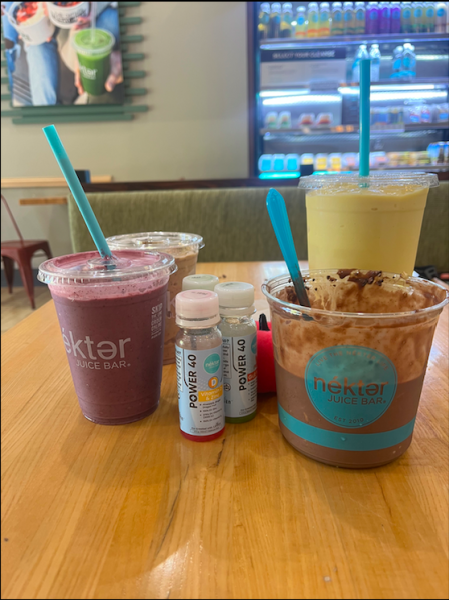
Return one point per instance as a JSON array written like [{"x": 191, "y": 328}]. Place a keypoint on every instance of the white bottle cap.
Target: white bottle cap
[
  {"x": 197, "y": 309},
  {"x": 235, "y": 298},
  {"x": 199, "y": 282}
]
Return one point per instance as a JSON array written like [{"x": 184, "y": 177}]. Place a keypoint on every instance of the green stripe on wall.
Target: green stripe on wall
[
  {"x": 131, "y": 21},
  {"x": 131, "y": 56},
  {"x": 131, "y": 38},
  {"x": 135, "y": 92},
  {"x": 133, "y": 74},
  {"x": 89, "y": 109},
  {"x": 71, "y": 119}
]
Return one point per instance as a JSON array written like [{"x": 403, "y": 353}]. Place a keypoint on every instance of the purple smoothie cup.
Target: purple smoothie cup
[{"x": 111, "y": 314}]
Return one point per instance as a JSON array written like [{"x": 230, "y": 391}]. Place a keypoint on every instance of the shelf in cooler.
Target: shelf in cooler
[
  {"x": 354, "y": 129},
  {"x": 285, "y": 43}
]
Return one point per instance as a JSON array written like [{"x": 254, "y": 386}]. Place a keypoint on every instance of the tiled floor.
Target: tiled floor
[{"x": 16, "y": 306}]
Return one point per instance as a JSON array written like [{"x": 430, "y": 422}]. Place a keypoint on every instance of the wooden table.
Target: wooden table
[{"x": 137, "y": 511}]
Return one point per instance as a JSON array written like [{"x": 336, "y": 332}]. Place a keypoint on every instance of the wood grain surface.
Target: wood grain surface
[{"x": 137, "y": 511}]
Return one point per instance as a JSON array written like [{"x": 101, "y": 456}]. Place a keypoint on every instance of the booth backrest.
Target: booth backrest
[{"x": 234, "y": 222}]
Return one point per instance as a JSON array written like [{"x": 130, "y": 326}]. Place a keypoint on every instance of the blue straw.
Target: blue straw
[
  {"x": 364, "y": 117},
  {"x": 78, "y": 193}
]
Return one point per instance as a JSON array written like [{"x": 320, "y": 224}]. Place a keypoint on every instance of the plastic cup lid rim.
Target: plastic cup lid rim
[
  {"x": 312, "y": 182},
  {"x": 155, "y": 240},
  {"x": 86, "y": 268}
]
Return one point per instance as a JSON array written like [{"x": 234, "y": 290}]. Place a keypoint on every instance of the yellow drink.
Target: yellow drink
[{"x": 370, "y": 228}]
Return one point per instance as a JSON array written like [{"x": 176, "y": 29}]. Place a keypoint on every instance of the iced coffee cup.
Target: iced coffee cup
[
  {"x": 369, "y": 223},
  {"x": 184, "y": 247},
  {"x": 111, "y": 314},
  {"x": 350, "y": 369}
]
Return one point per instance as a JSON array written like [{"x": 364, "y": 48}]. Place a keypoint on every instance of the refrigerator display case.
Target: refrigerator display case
[{"x": 305, "y": 94}]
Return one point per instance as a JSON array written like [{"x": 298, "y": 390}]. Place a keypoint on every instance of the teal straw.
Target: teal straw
[
  {"x": 78, "y": 193},
  {"x": 365, "y": 65}
]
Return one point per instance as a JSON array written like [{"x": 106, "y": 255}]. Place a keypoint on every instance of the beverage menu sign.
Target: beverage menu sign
[
  {"x": 288, "y": 67},
  {"x": 63, "y": 53}
]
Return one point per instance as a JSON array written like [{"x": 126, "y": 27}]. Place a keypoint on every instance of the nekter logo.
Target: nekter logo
[
  {"x": 89, "y": 353},
  {"x": 351, "y": 386}
]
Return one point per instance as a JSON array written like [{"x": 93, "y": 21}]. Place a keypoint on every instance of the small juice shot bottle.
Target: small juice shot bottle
[
  {"x": 200, "y": 282},
  {"x": 199, "y": 366},
  {"x": 239, "y": 333}
]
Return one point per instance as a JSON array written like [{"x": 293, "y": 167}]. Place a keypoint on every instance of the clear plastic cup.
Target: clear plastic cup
[
  {"x": 349, "y": 370},
  {"x": 111, "y": 314},
  {"x": 365, "y": 223},
  {"x": 184, "y": 247}
]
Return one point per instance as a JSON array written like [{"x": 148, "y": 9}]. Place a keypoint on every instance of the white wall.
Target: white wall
[{"x": 196, "y": 128}]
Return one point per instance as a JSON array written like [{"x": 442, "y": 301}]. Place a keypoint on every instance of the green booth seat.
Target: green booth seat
[{"x": 234, "y": 222}]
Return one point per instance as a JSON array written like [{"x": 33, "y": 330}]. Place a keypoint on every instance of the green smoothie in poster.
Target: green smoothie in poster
[{"x": 93, "y": 47}]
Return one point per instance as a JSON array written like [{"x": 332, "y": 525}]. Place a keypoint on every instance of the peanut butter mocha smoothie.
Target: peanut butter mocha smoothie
[{"x": 350, "y": 370}]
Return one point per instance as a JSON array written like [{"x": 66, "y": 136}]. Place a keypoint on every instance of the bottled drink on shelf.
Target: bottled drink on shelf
[
  {"x": 417, "y": 17},
  {"x": 348, "y": 18},
  {"x": 406, "y": 17},
  {"x": 301, "y": 22},
  {"x": 395, "y": 17},
  {"x": 429, "y": 17},
  {"x": 313, "y": 16},
  {"x": 397, "y": 62},
  {"x": 324, "y": 29},
  {"x": 337, "y": 19},
  {"x": 372, "y": 18},
  {"x": 286, "y": 20},
  {"x": 265, "y": 163},
  {"x": 359, "y": 18},
  {"x": 360, "y": 54},
  {"x": 275, "y": 20},
  {"x": 263, "y": 25},
  {"x": 292, "y": 162},
  {"x": 384, "y": 17},
  {"x": 278, "y": 162},
  {"x": 374, "y": 55},
  {"x": 441, "y": 17},
  {"x": 408, "y": 61}
]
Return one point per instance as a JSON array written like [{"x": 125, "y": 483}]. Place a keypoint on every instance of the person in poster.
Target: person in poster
[{"x": 59, "y": 39}]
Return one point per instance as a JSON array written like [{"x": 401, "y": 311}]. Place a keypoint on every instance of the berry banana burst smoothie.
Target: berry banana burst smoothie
[{"x": 112, "y": 325}]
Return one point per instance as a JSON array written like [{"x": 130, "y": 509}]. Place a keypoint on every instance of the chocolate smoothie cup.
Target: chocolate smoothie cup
[
  {"x": 111, "y": 314},
  {"x": 349, "y": 370},
  {"x": 184, "y": 247}
]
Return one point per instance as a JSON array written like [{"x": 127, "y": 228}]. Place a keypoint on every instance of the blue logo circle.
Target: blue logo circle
[
  {"x": 254, "y": 345},
  {"x": 350, "y": 386},
  {"x": 212, "y": 363}
]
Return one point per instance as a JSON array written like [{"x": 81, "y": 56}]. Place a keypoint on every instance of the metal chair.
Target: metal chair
[{"x": 21, "y": 251}]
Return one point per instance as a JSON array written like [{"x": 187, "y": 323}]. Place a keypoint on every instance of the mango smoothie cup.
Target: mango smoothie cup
[{"x": 369, "y": 223}]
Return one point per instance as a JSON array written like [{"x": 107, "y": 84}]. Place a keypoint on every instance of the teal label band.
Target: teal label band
[{"x": 355, "y": 442}]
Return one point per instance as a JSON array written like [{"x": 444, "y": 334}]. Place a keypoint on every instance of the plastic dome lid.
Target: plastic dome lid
[
  {"x": 156, "y": 240},
  {"x": 375, "y": 179},
  {"x": 87, "y": 268}
]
